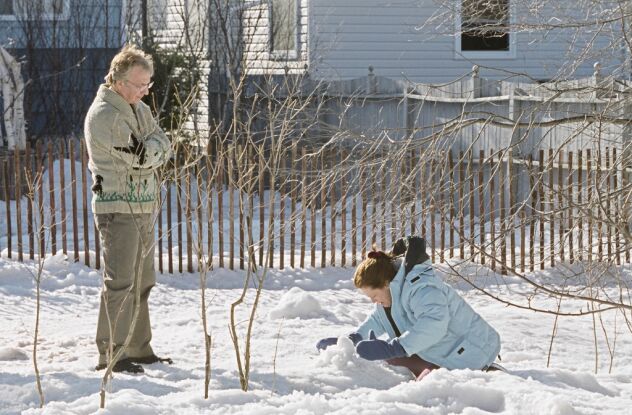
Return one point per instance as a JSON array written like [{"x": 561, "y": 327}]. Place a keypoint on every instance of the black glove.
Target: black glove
[
  {"x": 376, "y": 349},
  {"x": 138, "y": 148},
  {"x": 330, "y": 341}
]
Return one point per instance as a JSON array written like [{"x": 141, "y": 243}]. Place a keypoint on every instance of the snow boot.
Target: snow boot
[
  {"x": 495, "y": 367},
  {"x": 123, "y": 365},
  {"x": 148, "y": 360}
]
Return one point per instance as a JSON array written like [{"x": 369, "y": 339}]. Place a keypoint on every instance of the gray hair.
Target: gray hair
[{"x": 125, "y": 60}]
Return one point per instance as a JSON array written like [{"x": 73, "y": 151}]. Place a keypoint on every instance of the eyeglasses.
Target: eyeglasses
[{"x": 140, "y": 87}]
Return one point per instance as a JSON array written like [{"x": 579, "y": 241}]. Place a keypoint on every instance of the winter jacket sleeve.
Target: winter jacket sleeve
[
  {"x": 372, "y": 322},
  {"x": 430, "y": 309}
]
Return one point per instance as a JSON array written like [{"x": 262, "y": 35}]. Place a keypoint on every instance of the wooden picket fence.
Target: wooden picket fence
[{"x": 328, "y": 207}]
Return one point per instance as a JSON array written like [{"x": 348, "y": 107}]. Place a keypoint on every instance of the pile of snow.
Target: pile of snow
[{"x": 296, "y": 303}]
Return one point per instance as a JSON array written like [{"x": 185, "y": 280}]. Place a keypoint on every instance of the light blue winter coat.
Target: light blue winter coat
[{"x": 434, "y": 321}]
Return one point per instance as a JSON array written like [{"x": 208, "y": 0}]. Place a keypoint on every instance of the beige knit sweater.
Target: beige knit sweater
[{"x": 124, "y": 181}]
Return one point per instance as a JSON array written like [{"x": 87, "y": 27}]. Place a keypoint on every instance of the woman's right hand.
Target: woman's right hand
[
  {"x": 325, "y": 343},
  {"x": 330, "y": 341}
]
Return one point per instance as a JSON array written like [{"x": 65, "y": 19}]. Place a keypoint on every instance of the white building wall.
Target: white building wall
[
  {"x": 415, "y": 39},
  {"x": 257, "y": 54},
  {"x": 181, "y": 24}
]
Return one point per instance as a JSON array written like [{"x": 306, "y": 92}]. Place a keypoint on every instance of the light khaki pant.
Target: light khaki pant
[{"x": 127, "y": 243}]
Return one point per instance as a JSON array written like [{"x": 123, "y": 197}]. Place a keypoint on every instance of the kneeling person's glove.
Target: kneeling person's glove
[
  {"x": 330, "y": 341},
  {"x": 376, "y": 349}
]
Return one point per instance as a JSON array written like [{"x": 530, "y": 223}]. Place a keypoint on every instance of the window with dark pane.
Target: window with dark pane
[
  {"x": 6, "y": 7},
  {"x": 484, "y": 25},
  {"x": 283, "y": 25}
]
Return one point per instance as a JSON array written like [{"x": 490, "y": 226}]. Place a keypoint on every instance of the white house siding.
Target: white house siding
[
  {"x": 168, "y": 21},
  {"x": 257, "y": 34},
  {"x": 397, "y": 40}
]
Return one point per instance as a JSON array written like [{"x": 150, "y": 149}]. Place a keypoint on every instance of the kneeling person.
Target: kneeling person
[{"x": 427, "y": 323}]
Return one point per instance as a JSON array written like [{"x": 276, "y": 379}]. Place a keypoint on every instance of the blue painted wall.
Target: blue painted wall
[{"x": 64, "y": 59}]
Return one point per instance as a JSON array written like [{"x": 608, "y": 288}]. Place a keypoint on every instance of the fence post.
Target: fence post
[
  {"x": 243, "y": 184},
  {"x": 502, "y": 183},
  {"x": 333, "y": 213},
  {"x": 451, "y": 194},
  {"x": 210, "y": 212},
  {"x": 371, "y": 86},
  {"x": 303, "y": 204},
  {"x": 282, "y": 193},
  {"x": 413, "y": 190},
  {"x": 199, "y": 210},
  {"x": 364, "y": 203},
  {"x": 589, "y": 184},
  {"x": 62, "y": 202},
  {"x": 293, "y": 187},
  {"x": 512, "y": 209},
  {"x": 383, "y": 197},
  {"x": 84, "y": 199},
  {"x": 571, "y": 254},
  {"x": 551, "y": 192},
  {"x": 532, "y": 216},
  {"x": 261, "y": 176},
  {"x": 461, "y": 205},
  {"x": 608, "y": 177},
  {"x": 323, "y": 211},
  {"x": 73, "y": 181},
  {"x": 475, "y": 83},
  {"x": 354, "y": 219},
  {"x": 39, "y": 173},
  {"x": 5, "y": 167},
  {"x": 168, "y": 226},
  {"x": 313, "y": 196},
  {"x": 188, "y": 217},
  {"x": 28, "y": 169},
  {"x": 160, "y": 231},
  {"x": 230, "y": 157},
  {"x": 481, "y": 204},
  {"x": 51, "y": 198},
  {"x": 580, "y": 225},
  {"x": 343, "y": 214},
  {"x": 471, "y": 194},
  {"x": 541, "y": 206},
  {"x": 492, "y": 209}
]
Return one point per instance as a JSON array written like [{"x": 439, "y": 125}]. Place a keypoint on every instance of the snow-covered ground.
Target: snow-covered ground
[{"x": 289, "y": 376}]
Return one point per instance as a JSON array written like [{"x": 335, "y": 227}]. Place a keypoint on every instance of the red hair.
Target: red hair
[{"x": 376, "y": 271}]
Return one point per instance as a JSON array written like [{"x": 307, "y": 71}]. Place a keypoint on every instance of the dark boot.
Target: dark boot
[
  {"x": 495, "y": 367},
  {"x": 148, "y": 360},
  {"x": 123, "y": 365}
]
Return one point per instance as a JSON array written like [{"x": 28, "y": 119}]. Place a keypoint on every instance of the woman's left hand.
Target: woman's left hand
[{"x": 376, "y": 349}]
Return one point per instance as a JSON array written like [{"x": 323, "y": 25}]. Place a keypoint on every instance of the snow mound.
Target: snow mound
[
  {"x": 341, "y": 355},
  {"x": 555, "y": 405},
  {"x": 296, "y": 303},
  {"x": 11, "y": 353}
]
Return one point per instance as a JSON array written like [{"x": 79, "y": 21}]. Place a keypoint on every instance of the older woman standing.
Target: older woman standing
[
  {"x": 427, "y": 323},
  {"x": 125, "y": 147}
]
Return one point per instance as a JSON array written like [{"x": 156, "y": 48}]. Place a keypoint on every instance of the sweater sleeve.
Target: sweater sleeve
[
  {"x": 372, "y": 322},
  {"x": 430, "y": 310}
]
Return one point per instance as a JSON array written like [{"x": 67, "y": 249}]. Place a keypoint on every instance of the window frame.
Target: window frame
[
  {"x": 45, "y": 16},
  {"x": 460, "y": 54},
  {"x": 285, "y": 54}
]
